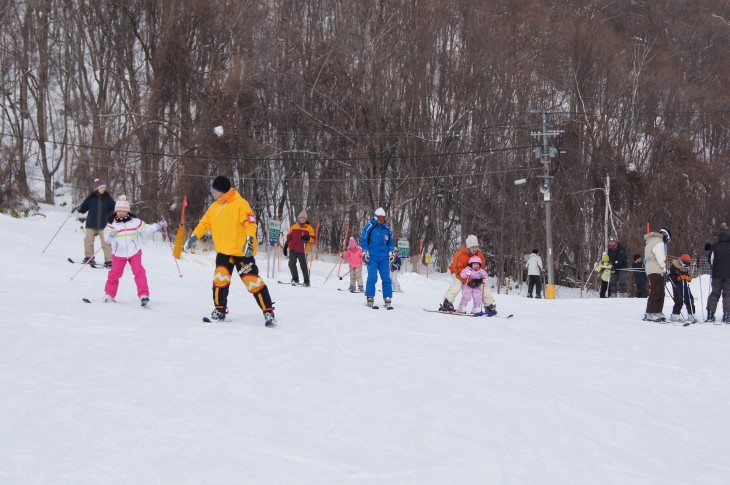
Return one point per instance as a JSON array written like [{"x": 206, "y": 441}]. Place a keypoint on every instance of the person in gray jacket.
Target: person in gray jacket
[
  {"x": 534, "y": 267},
  {"x": 655, "y": 253}
]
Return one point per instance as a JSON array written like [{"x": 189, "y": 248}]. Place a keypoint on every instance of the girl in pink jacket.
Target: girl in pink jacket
[
  {"x": 124, "y": 232},
  {"x": 354, "y": 256},
  {"x": 475, "y": 277}
]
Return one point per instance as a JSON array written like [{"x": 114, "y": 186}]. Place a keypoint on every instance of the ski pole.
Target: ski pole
[
  {"x": 173, "y": 252},
  {"x": 59, "y": 230},
  {"x": 86, "y": 262},
  {"x": 345, "y": 274}
]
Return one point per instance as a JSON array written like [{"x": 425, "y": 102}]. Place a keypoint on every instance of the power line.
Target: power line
[{"x": 272, "y": 158}]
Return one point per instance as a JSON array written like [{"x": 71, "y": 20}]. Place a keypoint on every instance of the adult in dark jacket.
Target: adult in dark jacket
[
  {"x": 720, "y": 262},
  {"x": 637, "y": 269},
  {"x": 620, "y": 275},
  {"x": 100, "y": 205}
]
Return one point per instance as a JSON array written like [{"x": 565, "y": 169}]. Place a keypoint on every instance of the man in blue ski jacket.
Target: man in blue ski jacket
[{"x": 377, "y": 252}]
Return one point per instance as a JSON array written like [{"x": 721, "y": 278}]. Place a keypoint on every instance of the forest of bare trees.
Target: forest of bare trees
[{"x": 424, "y": 107}]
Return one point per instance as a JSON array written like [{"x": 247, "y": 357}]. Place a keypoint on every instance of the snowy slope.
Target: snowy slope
[{"x": 568, "y": 391}]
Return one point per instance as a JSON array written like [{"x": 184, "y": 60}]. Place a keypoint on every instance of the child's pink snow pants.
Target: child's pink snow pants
[{"x": 140, "y": 275}]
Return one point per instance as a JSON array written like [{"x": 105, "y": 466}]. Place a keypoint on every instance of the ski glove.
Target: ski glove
[
  {"x": 391, "y": 257},
  {"x": 286, "y": 249},
  {"x": 162, "y": 224},
  {"x": 74, "y": 209},
  {"x": 190, "y": 242},
  {"x": 248, "y": 247},
  {"x": 305, "y": 237},
  {"x": 366, "y": 256}
]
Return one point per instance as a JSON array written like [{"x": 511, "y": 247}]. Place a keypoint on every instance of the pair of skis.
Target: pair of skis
[{"x": 457, "y": 314}]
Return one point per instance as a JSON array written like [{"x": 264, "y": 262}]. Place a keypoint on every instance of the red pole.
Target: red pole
[
  {"x": 347, "y": 231},
  {"x": 59, "y": 230},
  {"x": 314, "y": 251},
  {"x": 87, "y": 262}
]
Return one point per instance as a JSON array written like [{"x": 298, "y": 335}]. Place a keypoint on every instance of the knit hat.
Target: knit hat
[
  {"x": 122, "y": 204},
  {"x": 302, "y": 214},
  {"x": 535, "y": 251},
  {"x": 221, "y": 184},
  {"x": 475, "y": 259},
  {"x": 471, "y": 241},
  {"x": 99, "y": 183},
  {"x": 604, "y": 257},
  {"x": 379, "y": 212},
  {"x": 353, "y": 243}
]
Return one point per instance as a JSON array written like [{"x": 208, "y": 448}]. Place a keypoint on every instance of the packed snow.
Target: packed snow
[{"x": 573, "y": 390}]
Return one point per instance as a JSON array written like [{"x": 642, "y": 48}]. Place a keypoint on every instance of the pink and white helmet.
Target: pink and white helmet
[{"x": 475, "y": 259}]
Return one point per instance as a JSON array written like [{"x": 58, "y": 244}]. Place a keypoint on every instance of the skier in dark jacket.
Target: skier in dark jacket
[
  {"x": 100, "y": 205},
  {"x": 619, "y": 276},
  {"x": 637, "y": 269},
  {"x": 720, "y": 262}
]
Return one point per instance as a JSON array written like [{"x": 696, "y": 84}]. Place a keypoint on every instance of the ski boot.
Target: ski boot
[
  {"x": 690, "y": 318},
  {"x": 676, "y": 318},
  {"x": 726, "y": 317},
  {"x": 269, "y": 319},
  {"x": 539, "y": 297},
  {"x": 710, "y": 317},
  {"x": 109, "y": 298},
  {"x": 144, "y": 300},
  {"x": 388, "y": 303},
  {"x": 529, "y": 295},
  {"x": 370, "y": 301},
  {"x": 218, "y": 315},
  {"x": 447, "y": 306},
  {"x": 107, "y": 265},
  {"x": 352, "y": 289},
  {"x": 490, "y": 310},
  {"x": 361, "y": 289}
]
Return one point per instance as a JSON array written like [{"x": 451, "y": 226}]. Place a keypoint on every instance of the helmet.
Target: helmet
[
  {"x": 685, "y": 258},
  {"x": 605, "y": 257},
  {"x": 613, "y": 238},
  {"x": 475, "y": 259},
  {"x": 379, "y": 212},
  {"x": 665, "y": 232}
]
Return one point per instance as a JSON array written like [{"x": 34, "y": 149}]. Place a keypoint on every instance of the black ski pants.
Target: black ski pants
[
  {"x": 533, "y": 281},
  {"x": 248, "y": 272},
  {"x": 720, "y": 286},
  {"x": 682, "y": 295},
  {"x": 302, "y": 258}
]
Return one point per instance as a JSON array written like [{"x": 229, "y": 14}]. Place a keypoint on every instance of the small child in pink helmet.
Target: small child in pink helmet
[
  {"x": 475, "y": 277},
  {"x": 354, "y": 257}
]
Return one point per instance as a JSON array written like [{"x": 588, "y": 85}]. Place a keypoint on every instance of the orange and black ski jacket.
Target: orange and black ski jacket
[{"x": 294, "y": 239}]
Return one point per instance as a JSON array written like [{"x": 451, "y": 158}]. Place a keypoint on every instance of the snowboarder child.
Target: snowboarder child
[
  {"x": 353, "y": 256},
  {"x": 124, "y": 232},
  {"x": 680, "y": 278},
  {"x": 474, "y": 277}
]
